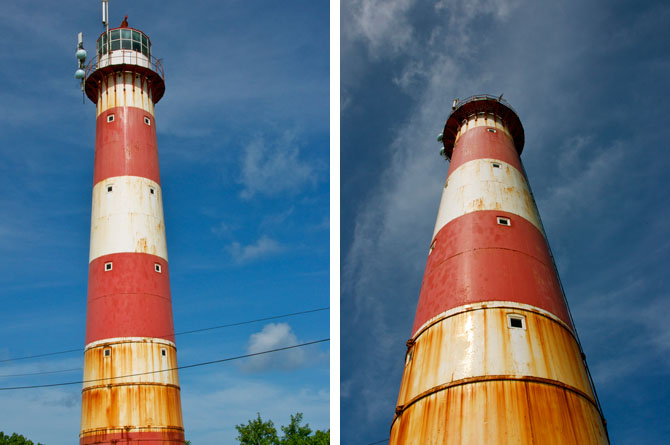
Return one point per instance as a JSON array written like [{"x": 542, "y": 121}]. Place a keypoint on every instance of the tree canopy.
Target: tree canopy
[
  {"x": 15, "y": 439},
  {"x": 259, "y": 432}
]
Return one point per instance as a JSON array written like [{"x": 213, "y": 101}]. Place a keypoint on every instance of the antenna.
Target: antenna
[
  {"x": 80, "y": 54},
  {"x": 105, "y": 22}
]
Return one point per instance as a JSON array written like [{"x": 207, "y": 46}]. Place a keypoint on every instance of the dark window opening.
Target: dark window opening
[
  {"x": 108, "y": 266},
  {"x": 491, "y": 130},
  {"x": 110, "y": 118},
  {"x": 164, "y": 352},
  {"x": 151, "y": 190},
  {"x": 516, "y": 321},
  {"x": 495, "y": 165},
  {"x": 504, "y": 221},
  {"x": 147, "y": 120},
  {"x": 157, "y": 267},
  {"x": 108, "y": 352},
  {"x": 110, "y": 188}
]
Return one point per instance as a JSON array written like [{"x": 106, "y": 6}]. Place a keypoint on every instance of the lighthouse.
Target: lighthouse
[
  {"x": 493, "y": 357},
  {"x": 131, "y": 389}
]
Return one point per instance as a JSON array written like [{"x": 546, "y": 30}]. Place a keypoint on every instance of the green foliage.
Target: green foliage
[
  {"x": 15, "y": 439},
  {"x": 321, "y": 438},
  {"x": 258, "y": 432},
  {"x": 294, "y": 434}
]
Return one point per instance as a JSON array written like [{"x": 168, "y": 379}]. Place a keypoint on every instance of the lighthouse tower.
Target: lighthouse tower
[
  {"x": 129, "y": 396},
  {"x": 493, "y": 357}
]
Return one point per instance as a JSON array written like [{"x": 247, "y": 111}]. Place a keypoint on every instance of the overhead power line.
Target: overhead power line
[
  {"x": 193, "y": 331},
  {"x": 41, "y": 372},
  {"x": 194, "y": 365}
]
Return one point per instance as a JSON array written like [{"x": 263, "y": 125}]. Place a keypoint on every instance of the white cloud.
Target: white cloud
[
  {"x": 264, "y": 247},
  {"x": 273, "y": 336},
  {"x": 210, "y": 416},
  {"x": 381, "y": 24},
  {"x": 271, "y": 168},
  {"x": 222, "y": 229}
]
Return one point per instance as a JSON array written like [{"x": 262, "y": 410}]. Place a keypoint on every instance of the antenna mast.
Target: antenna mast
[{"x": 105, "y": 20}]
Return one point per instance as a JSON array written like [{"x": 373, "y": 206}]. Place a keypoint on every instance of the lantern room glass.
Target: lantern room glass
[{"x": 124, "y": 38}]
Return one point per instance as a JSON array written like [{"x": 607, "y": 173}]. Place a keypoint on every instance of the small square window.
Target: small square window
[
  {"x": 110, "y": 188},
  {"x": 504, "y": 221},
  {"x": 152, "y": 190},
  {"x": 157, "y": 267},
  {"x": 495, "y": 165},
  {"x": 108, "y": 352},
  {"x": 491, "y": 130},
  {"x": 108, "y": 266},
  {"x": 516, "y": 321},
  {"x": 164, "y": 352},
  {"x": 147, "y": 121},
  {"x": 110, "y": 118}
]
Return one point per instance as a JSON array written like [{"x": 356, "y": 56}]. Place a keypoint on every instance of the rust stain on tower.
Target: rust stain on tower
[
  {"x": 494, "y": 357},
  {"x": 131, "y": 391}
]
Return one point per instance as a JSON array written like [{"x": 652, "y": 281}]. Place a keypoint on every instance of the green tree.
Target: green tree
[
  {"x": 321, "y": 438},
  {"x": 257, "y": 432},
  {"x": 294, "y": 434},
  {"x": 15, "y": 439}
]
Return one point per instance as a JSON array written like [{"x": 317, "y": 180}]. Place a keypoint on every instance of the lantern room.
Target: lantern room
[{"x": 124, "y": 38}]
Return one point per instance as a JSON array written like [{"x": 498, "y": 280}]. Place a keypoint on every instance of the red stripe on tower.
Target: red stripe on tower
[
  {"x": 493, "y": 356},
  {"x": 134, "y": 130},
  {"x": 132, "y": 390}
]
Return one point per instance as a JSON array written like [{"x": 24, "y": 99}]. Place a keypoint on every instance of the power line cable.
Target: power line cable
[
  {"x": 40, "y": 373},
  {"x": 194, "y": 365},
  {"x": 239, "y": 323}
]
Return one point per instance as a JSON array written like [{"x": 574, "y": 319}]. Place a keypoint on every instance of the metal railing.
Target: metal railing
[
  {"x": 484, "y": 97},
  {"x": 127, "y": 57}
]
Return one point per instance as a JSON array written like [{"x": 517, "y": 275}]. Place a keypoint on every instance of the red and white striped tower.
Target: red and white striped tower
[
  {"x": 129, "y": 330},
  {"x": 493, "y": 357}
]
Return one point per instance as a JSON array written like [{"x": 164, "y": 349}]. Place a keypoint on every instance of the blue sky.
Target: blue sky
[
  {"x": 243, "y": 136},
  {"x": 588, "y": 80}
]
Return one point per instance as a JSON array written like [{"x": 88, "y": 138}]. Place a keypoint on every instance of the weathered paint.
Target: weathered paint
[
  {"x": 493, "y": 356},
  {"x": 479, "y": 342},
  {"x": 126, "y": 146},
  {"x": 136, "y": 357},
  {"x": 124, "y": 89},
  {"x": 156, "y": 393},
  {"x": 502, "y": 410},
  {"x": 130, "y": 407},
  {"x": 478, "y": 185},
  {"x": 131, "y": 392},
  {"x": 131, "y": 300},
  {"x": 147, "y": 436},
  {"x": 475, "y": 259},
  {"x": 129, "y": 218}
]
